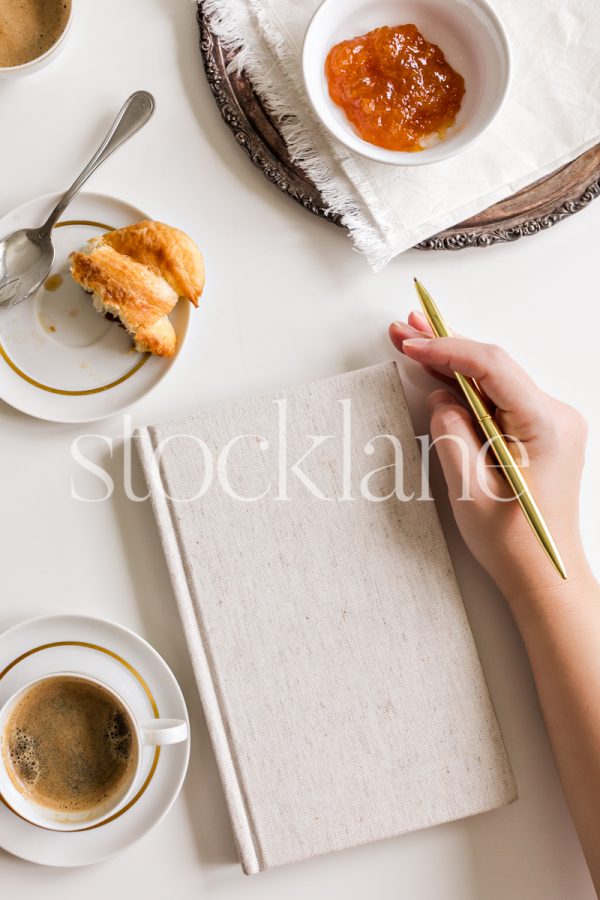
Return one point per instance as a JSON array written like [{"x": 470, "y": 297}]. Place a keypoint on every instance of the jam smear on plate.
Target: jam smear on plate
[{"x": 395, "y": 87}]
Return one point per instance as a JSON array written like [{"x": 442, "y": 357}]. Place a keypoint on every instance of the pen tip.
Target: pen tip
[{"x": 416, "y": 280}]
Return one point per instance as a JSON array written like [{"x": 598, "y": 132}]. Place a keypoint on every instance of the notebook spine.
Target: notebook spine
[{"x": 208, "y": 694}]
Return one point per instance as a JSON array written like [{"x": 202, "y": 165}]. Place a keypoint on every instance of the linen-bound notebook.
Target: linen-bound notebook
[{"x": 339, "y": 678}]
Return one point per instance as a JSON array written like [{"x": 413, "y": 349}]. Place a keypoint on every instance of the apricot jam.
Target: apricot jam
[{"x": 394, "y": 86}]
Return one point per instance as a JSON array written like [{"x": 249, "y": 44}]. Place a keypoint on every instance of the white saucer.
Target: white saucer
[
  {"x": 124, "y": 660},
  {"x": 59, "y": 359}
]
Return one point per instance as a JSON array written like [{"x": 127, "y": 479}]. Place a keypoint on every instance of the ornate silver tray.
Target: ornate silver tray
[{"x": 539, "y": 206}]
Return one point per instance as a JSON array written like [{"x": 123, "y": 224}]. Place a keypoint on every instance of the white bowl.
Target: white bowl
[
  {"x": 470, "y": 35},
  {"x": 40, "y": 61}
]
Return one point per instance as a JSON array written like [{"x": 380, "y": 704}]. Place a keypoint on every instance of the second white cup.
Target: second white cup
[{"x": 147, "y": 732}]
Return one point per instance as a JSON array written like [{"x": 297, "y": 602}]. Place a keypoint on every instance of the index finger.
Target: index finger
[
  {"x": 507, "y": 385},
  {"x": 417, "y": 326}
]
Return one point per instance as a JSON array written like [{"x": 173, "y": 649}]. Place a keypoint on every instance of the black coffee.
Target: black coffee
[{"x": 69, "y": 745}]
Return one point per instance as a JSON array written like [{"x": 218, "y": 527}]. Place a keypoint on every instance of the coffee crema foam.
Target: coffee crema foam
[
  {"x": 28, "y": 28},
  {"x": 69, "y": 745}
]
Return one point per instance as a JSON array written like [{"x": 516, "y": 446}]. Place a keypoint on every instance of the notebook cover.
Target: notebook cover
[{"x": 337, "y": 670}]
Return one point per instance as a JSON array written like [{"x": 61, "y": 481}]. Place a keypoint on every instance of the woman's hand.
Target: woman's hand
[
  {"x": 559, "y": 620},
  {"x": 549, "y": 443}
]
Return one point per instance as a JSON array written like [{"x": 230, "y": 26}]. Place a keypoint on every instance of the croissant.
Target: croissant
[
  {"x": 137, "y": 274},
  {"x": 166, "y": 250}
]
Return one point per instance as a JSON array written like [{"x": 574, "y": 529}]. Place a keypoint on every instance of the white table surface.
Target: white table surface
[{"x": 287, "y": 300}]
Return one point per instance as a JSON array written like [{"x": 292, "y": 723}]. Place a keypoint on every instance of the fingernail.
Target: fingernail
[{"x": 416, "y": 343}]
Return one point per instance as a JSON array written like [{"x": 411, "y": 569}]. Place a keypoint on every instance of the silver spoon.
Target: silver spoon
[{"x": 26, "y": 256}]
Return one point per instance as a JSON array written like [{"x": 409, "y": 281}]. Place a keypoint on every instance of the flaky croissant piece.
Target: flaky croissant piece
[
  {"x": 137, "y": 274},
  {"x": 166, "y": 250},
  {"x": 133, "y": 293}
]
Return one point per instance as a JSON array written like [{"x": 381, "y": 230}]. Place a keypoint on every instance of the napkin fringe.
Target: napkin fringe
[
  {"x": 297, "y": 134},
  {"x": 229, "y": 31}
]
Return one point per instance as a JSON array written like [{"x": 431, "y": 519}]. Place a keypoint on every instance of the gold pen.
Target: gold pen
[{"x": 495, "y": 439}]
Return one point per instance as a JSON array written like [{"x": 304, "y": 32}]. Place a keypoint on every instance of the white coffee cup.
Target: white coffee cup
[
  {"x": 39, "y": 62},
  {"x": 146, "y": 733}
]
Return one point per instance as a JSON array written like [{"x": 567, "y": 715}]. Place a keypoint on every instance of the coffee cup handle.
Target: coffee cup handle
[{"x": 159, "y": 732}]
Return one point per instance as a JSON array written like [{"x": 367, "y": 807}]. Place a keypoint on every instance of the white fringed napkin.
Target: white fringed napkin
[{"x": 552, "y": 115}]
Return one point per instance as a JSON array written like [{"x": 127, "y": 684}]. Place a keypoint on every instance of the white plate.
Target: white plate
[
  {"x": 124, "y": 660},
  {"x": 60, "y": 359}
]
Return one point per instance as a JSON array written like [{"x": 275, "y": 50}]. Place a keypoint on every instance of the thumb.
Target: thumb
[{"x": 458, "y": 445}]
